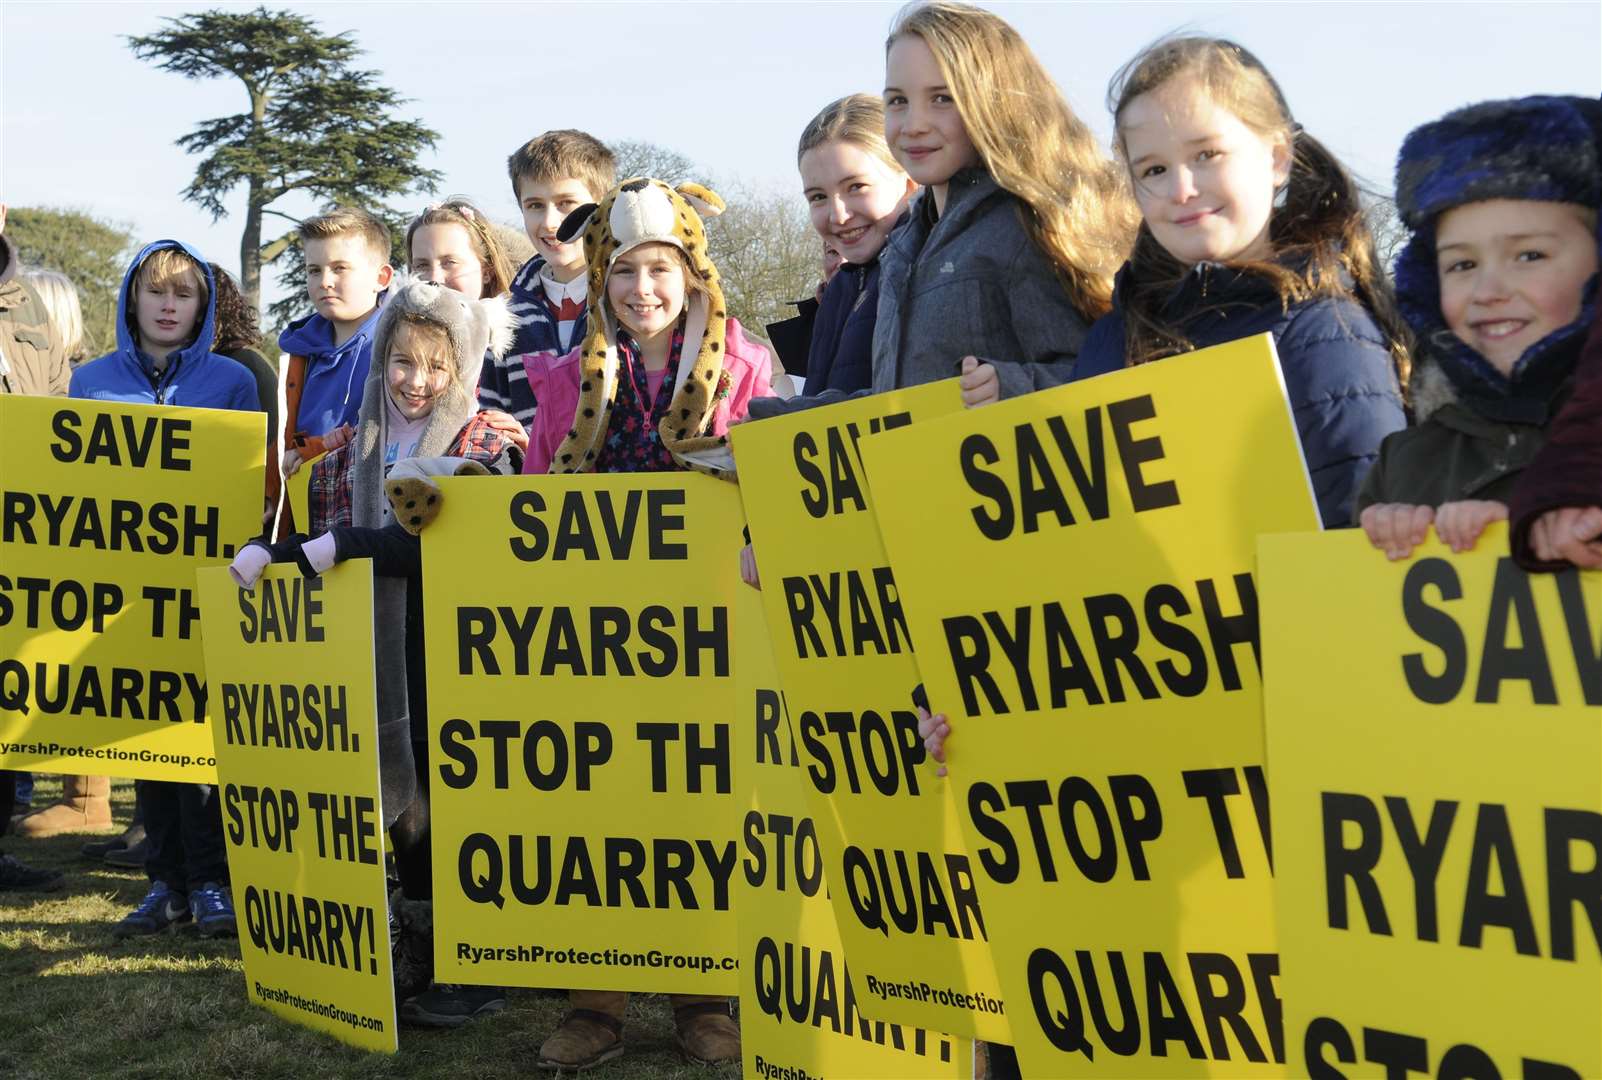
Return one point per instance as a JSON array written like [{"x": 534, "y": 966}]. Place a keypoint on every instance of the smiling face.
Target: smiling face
[
  {"x": 167, "y": 313},
  {"x": 443, "y": 253},
  {"x": 1204, "y": 181},
  {"x": 646, "y": 290},
  {"x": 545, "y": 204},
  {"x": 921, "y": 121},
  {"x": 854, "y": 198},
  {"x": 1512, "y": 271},
  {"x": 418, "y": 368}
]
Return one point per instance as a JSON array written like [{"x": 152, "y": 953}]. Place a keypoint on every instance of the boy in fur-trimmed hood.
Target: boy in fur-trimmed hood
[{"x": 1498, "y": 284}]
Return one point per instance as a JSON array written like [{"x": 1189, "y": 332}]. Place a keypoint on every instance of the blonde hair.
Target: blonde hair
[
  {"x": 486, "y": 245},
  {"x": 346, "y": 221},
  {"x": 432, "y": 340},
  {"x": 1318, "y": 231},
  {"x": 1076, "y": 203},
  {"x": 169, "y": 265},
  {"x": 857, "y": 119},
  {"x": 60, "y": 298},
  {"x": 565, "y": 154}
]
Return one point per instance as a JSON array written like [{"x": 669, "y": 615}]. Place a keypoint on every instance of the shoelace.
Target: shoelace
[
  {"x": 207, "y": 901},
  {"x": 153, "y": 901}
]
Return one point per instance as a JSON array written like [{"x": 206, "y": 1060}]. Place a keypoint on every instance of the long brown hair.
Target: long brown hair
[
  {"x": 458, "y": 211},
  {"x": 1320, "y": 235},
  {"x": 1076, "y": 203}
]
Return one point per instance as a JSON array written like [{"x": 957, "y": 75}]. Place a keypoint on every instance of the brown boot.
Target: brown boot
[
  {"x": 85, "y": 806},
  {"x": 706, "y": 1032},
  {"x": 591, "y": 1032}
]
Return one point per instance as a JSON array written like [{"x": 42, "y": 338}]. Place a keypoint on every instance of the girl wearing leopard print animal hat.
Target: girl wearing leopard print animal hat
[
  {"x": 661, "y": 374},
  {"x": 663, "y": 370}
]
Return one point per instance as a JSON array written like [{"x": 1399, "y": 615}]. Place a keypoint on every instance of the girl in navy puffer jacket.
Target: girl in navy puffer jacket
[{"x": 1251, "y": 225}]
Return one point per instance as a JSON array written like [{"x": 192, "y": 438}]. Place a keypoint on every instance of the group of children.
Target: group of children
[{"x": 972, "y": 228}]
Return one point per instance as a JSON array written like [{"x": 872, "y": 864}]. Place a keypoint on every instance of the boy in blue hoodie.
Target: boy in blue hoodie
[
  {"x": 330, "y": 350},
  {"x": 166, "y": 317},
  {"x": 552, "y": 175}
]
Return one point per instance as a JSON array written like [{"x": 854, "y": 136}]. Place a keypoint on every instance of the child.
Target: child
[
  {"x": 552, "y": 176},
  {"x": 1556, "y": 509},
  {"x": 856, "y": 192},
  {"x": 330, "y": 350},
  {"x": 166, "y": 313},
  {"x": 418, "y": 403},
  {"x": 452, "y": 244},
  {"x": 1498, "y": 282},
  {"x": 657, "y": 382},
  {"x": 1009, "y": 251},
  {"x": 1251, "y": 225}
]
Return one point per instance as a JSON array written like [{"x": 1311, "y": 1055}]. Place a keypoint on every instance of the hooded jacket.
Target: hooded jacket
[
  {"x": 1478, "y": 428},
  {"x": 332, "y": 395},
  {"x": 1335, "y": 359},
  {"x": 194, "y": 376},
  {"x": 32, "y": 359},
  {"x": 504, "y": 385}
]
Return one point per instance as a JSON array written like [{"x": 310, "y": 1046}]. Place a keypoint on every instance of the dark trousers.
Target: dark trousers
[
  {"x": 409, "y": 836},
  {"x": 184, "y": 825},
  {"x": 8, "y": 797}
]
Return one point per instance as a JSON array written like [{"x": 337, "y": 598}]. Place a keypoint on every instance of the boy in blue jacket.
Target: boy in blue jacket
[
  {"x": 330, "y": 350},
  {"x": 166, "y": 317}
]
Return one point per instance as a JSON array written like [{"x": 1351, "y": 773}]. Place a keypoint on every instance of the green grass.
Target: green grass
[{"x": 76, "y": 1002}]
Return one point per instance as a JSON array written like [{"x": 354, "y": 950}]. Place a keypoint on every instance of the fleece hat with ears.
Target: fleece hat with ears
[
  {"x": 647, "y": 211},
  {"x": 1542, "y": 149},
  {"x": 473, "y": 328}
]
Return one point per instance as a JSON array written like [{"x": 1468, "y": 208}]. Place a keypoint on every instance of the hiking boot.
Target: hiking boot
[
  {"x": 447, "y": 1005},
  {"x": 162, "y": 909},
  {"x": 85, "y": 806},
  {"x": 214, "y": 911},
  {"x": 132, "y": 836},
  {"x": 586, "y": 1038},
  {"x": 411, "y": 945},
  {"x": 707, "y": 1033},
  {"x": 129, "y": 858},
  {"x": 20, "y": 877}
]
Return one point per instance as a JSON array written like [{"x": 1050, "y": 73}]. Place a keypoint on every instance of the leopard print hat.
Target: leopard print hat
[{"x": 647, "y": 211}]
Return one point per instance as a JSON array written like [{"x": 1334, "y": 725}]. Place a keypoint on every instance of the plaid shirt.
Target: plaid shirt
[{"x": 330, "y": 495}]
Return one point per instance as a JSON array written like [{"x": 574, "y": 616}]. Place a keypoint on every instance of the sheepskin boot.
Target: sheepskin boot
[{"x": 85, "y": 806}]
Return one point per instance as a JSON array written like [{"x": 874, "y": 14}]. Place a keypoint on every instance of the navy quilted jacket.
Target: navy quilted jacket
[{"x": 1335, "y": 359}]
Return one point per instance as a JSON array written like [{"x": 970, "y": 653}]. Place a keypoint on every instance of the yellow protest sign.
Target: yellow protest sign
[
  {"x": 581, "y": 695},
  {"x": 106, "y": 510},
  {"x": 1076, "y": 566},
  {"x": 1437, "y": 793},
  {"x": 799, "y": 1004},
  {"x": 290, "y": 665},
  {"x": 905, "y": 898}
]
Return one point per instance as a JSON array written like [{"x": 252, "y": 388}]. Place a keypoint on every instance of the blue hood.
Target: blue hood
[
  {"x": 331, "y": 394},
  {"x": 127, "y": 343}
]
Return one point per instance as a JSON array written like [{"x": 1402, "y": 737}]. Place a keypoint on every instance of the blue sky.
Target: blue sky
[{"x": 84, "y": 125}]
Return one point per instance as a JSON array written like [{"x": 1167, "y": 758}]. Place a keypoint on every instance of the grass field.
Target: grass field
[{"x": 76, "y": 1003}]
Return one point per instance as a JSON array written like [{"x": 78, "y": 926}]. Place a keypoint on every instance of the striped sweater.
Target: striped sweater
[{"x": 542, "y": 328}]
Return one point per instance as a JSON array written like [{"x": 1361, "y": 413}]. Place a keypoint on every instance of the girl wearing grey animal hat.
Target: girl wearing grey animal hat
[{"x": 419, "y": 415}]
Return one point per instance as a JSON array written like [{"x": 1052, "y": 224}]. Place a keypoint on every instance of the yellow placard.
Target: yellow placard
[
  {"x": 581, "y": 694},
  {"x": 1076, "y": 566},
  {"x": 106, "y": 511},
  {"x": 1437, "y": 790},
  {"x": 799, "y": 1004},
  {"x": 290, "y": 666},
  {"x": 905, "y": 899}
]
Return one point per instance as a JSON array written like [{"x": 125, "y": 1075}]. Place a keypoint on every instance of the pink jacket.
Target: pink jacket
[{"x": 555, "y": 384}]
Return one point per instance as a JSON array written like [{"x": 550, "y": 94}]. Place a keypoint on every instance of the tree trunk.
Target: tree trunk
[
  {"x": 250, "y": 253},
  {"x": 250, "y": 242}
]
